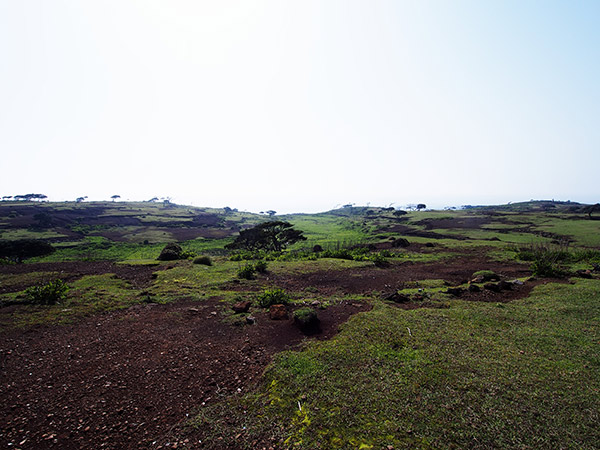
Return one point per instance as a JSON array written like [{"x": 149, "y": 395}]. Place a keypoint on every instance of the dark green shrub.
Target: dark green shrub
[
  {"x": 171, "y": 252},
  {"x": 545, "y": 266},
  {"x": 247, "y": 272},
  {"x": 273, "y": 297},
  {"x": 47, "y": 294},
  {"x": 260, "y": 266},
  {"x": 204, "y": 260}
]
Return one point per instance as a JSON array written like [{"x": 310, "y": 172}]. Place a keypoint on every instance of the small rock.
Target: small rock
[
  {"x": 516, "y": 282},
  {"x": 194, "y": 310},
  {"x": 315, "y": 303},
  {"x": 241, "y": 307},
  {"x": 250, "y": 320},
  {"x": 278, "y": 312}
]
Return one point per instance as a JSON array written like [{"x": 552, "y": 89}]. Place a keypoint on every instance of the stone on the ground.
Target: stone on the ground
[
  {"x": 241, "y": 307},
  {"x": 278, "y": 312}
]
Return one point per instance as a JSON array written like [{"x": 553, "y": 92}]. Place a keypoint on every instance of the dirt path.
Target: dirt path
[{"x": 121, "y": 379}]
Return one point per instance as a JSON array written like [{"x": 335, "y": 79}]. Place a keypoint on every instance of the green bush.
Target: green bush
[
  {"x": 48, "y": 294},
  {"x": 273, "y": 297},
  {"x": 204, "y": 260},
  {"x": 247, "y": 272},
  {"x": 260, "y": 266},
  {"x": 187, "y": 254}
]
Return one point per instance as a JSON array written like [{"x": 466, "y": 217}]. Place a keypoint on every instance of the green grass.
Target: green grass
[
  {"x": 14, "y": 234},
  {"x": 11, "y": 281},
  {"x": 89, "y": 295},
  {"x": 519, "y": 375}
]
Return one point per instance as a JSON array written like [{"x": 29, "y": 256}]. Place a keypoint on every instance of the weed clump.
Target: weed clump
[
  {"x": 273, "y": 297},
  {"x": 247, "y": 272},
  {"x": 47, "y": 294},
  {"x": 260, "y": 266},
  {"x": 204, "y": 260},
  {"x": 546, "y": 260}
]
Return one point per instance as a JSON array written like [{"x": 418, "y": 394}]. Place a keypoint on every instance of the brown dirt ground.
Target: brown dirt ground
[{"x": 121, "y": 379}]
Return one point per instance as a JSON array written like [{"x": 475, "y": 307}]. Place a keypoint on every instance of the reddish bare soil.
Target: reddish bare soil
[{"x": 121, "y": 379}]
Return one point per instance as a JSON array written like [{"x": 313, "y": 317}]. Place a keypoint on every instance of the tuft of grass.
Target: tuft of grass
[
  {"x": 274, "y": 296},
  {"x": 47, "y": 294},
  {"x": 204, "y": 260}
]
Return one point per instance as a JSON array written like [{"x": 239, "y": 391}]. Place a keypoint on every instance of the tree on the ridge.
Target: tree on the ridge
[
  {"x": 269, "y": 236},
  {"x": 114, "y": 197},
  {"x": 591, "y": 209}
]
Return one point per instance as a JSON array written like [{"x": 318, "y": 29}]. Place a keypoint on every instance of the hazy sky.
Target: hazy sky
[{"x": 301, "y": 105}]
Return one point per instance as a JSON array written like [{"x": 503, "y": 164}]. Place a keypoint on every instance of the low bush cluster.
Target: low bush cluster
[
  {"x": 204, "y": 260},
  {"x": 274, "y": 296},
  {"x": 249, "y": 270},
  {"x": 547, "y": 261},
  {"x": 47, "y": 294}
]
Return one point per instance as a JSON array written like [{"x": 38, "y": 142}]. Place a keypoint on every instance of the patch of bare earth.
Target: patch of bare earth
[{"x": 121, "y": 379}]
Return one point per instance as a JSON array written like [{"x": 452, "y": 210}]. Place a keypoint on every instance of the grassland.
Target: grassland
[
  {"x": 522, "y": 375},
  {"x": 445, "y": 373}
]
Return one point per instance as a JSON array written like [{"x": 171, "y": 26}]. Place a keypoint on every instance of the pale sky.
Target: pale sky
[{"x": 299, "y": 106}]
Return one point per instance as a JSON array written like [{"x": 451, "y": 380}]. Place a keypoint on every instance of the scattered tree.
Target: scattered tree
[
  {"x": 153, "y": 199},
  {"x": 271, "y": 213},
  {"x": 421, "y": 206},
  {"x": 7, "y": 197},
  {"x": 269, "y": 236},
  {"x": 591, "y": 209},
  {"x": 80, "y": 199},
  {"x": 114, "y": 197}
]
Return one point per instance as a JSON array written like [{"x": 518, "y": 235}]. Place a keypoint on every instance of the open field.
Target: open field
[{"x": 444, "y": 340}]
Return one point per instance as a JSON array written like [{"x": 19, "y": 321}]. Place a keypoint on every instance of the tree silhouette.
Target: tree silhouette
[
  {"x": 269, "y": 236},
  {"x": 114, "y": 197}
]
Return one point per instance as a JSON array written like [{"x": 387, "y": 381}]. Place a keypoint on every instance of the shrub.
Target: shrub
[
  {"x": 273, "y": 297},
  {"x": 171, "y": 252},
  {"x": 204, "y": 260},
  {"x": 546, "y": 259},
  {"x": 186, "y": 254},
  {"x": 260, "y": 266},
  {"x": 48, "y": 294},
  {"x": 247, "y": 272}
]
